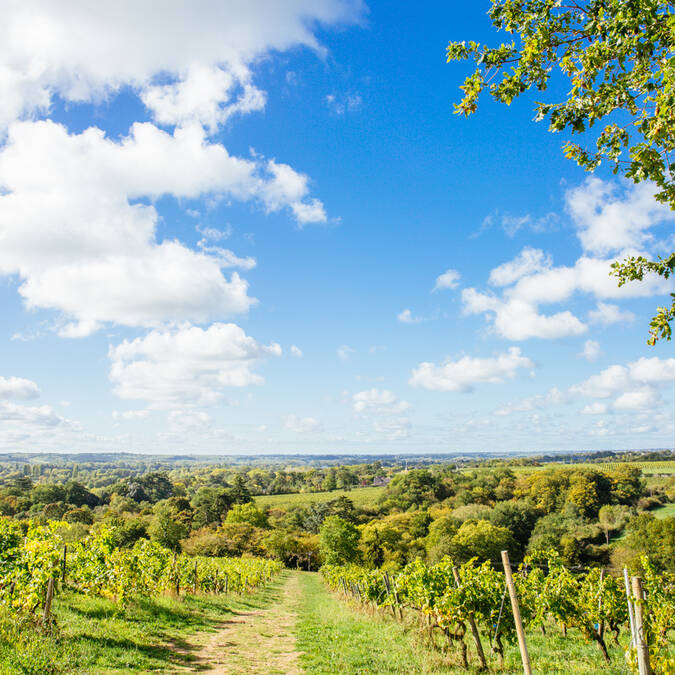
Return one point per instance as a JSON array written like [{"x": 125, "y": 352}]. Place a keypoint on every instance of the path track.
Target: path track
[{"x": 259, "y": 641}]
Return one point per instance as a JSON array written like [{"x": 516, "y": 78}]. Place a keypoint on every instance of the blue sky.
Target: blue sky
[{"x": 258, "y": 227}]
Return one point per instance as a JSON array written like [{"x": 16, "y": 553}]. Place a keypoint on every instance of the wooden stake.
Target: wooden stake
[
  {"x": 631, "y": 615},
  {"x": 63, "y": 563},
  {"x": 474, "y": 629},
  {"x": 525, "y": 657},
  {"x": 194, "y": 590},
  {"x": 48, "y": 600},
  {"x": 640, "y": 642},
  {"x": 601, "y": 622}
]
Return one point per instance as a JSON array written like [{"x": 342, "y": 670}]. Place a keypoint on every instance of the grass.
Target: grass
[
  {"x": 363, "y": 496},
  {"x": 335, "y": 638},
  {"x": 338, "y": 636},
  {"x": 93, "y": 635},
  {"x": 648, "y": 468},
  {"x": 667, "y": 511},
  {"x": 294, "y": 621}
]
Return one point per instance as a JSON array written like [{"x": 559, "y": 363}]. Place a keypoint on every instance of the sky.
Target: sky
[{"x": 233, "y": 227}]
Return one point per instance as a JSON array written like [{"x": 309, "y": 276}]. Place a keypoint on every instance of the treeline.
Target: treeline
[{"x": 588, "y": 516}]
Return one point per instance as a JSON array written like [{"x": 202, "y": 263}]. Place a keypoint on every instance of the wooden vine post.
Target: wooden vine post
[
  {"x": 63, "y": 563},
  {"x": 474, "y": 628},
  {"x": 640, "y": 641},
  {"x": 525, "y": 657},
  {"x": 48, "y": 601}
]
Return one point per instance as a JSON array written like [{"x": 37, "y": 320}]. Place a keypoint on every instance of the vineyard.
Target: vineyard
[
  {"x": 34, "y": 561},
  {"x": 469, "y": 604}
]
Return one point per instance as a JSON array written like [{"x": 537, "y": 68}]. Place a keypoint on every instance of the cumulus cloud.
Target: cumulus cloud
[
  {"x": 531, "y": 281},
  {"x": 18, "y": 388},
  {"x": 595, "y": 408},
  {"x": 379, "y": 402},
  {"x": 633, "y": 387},
  {"x": 186, "y": 367},
  {"x": 302, "y": 425},
  {"x": 552, "y": 397},
  {"x": 84, "y": 52},
  {"x": 529, "y": 261},
  {"x": 130, "y": 414},
  {"x": 295, "y": 351},
  {"x": 615, "y": 216},
  {"x": 591, "y": 350},
  {"x": 462, "y": 374},
  {"x": 447, "y": 280},
  {"x": 386, "y": 413},
  {"x": 607, "y": 313},
  {"x": 76, "y": 234},
  {"x": 32, "y": 417},
  {"x": 406, "y": 317}
]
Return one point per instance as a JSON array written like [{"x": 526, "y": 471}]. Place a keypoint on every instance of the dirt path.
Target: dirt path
[{"x": 259, "y": 641}]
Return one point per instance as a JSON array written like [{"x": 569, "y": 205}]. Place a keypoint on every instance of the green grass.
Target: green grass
[
  {"x": 648, "y": 468},
  {"x": 363, "y": 496},
  {"x": 338, "y": 639},
  {"x": 667, "y": 511},
  {"x": 338, "y": 636},
  {"x": 94, "y": 636}
]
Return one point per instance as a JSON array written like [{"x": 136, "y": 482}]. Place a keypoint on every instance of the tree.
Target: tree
[
  {"x": 247, "y": 513},
  {"x": 617, "y": 56},
  {"x": 481, "y": 539},
  {"x": 240, "y": 493},
  {"x": 338, "y": 541},
  {"x": 613, "y": 517}
]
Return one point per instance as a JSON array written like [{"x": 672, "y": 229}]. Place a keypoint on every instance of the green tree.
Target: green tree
[
  {"x": 618, "y": 58},
  {"x": 247, "y": 513},
  {"x": 166, "y": 528},
  {"x": 613, "y": 517},
  {"x": 338, "y": 541},
  {"x": 240, "y": 492},
  {"x": 482, "y": 539}
]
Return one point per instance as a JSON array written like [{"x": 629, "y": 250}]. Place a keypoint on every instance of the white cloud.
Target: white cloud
[
  {"x": 344, "y": 352},
  {"x": 449, "y": 279},
  {"x": 32, "y": 417},
  {"x": 85, "y": 51},
  {"x": 645, "y": 398},
  {"x": 302, "y": 425},
  {"x": 130, "y": 414},
  {"x": 342, "y": 103},
  {"x": 95, "y": 256},
  {"x": 18, "y": 388},
  {"x": 406, "y": 317},
  {"x": 515, "y": 314},
  {"x": 387, "y": 414},
  {"x": 462, "y": 374},
  {"x": 595, "y": 408},
  {"x": 186, "y": 367},
  {"x": 296, "y": 351},
  {"x": 552, "y": 397},
  {"x": 379, "y": 402},
  {"x": 614, "y": 217},
  {"x": 606, "y": 313},
  {"x": 529, "y": 261},
  {"x": 512, "y": 224},
  {"x": 591, "y": 350}
]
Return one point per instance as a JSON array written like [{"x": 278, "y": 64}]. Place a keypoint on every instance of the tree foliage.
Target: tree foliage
[{"x": 619, "y": 59}]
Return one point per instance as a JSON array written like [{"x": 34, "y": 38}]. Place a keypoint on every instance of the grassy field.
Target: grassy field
[
  {"x": 667, "y": 511},
  {"x": 648, "y": 468},
  {"x": 293, "y": 626},
  {"x": 363, "y": 496},
  {"x": 94, "y": 636}
]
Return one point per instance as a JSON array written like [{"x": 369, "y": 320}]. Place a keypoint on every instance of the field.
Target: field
[
  {"x": 648, "y": 468},
  {"x": 364, "y": 496},
  {"x": 295, "y": 625},
  {"x": 667, "y": 511}
]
